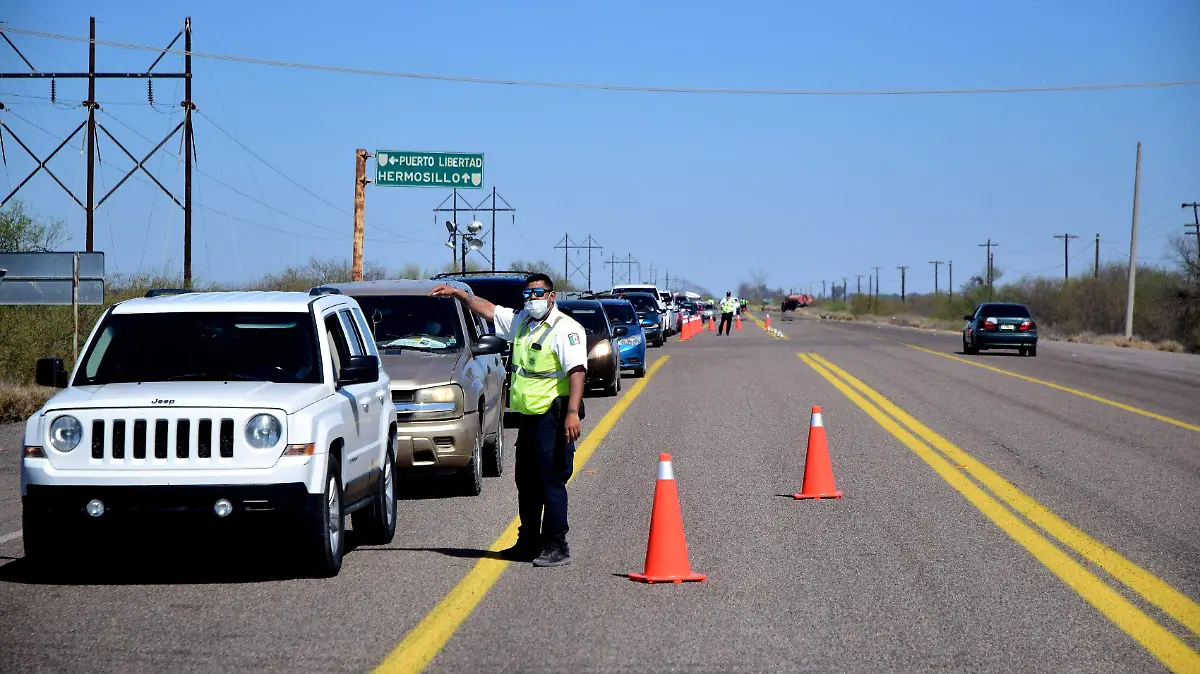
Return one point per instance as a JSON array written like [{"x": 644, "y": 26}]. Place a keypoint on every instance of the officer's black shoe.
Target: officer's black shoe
[
  {"x": 523, "y": 551},
  {"x": 553, "y": 557}
]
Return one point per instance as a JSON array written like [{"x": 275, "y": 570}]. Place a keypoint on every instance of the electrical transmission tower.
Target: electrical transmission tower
[
  {"x": 89, "y": 203},
  {"x": 629, "y": 261}
]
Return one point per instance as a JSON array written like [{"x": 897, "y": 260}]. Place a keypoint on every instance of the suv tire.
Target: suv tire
[
  {"x": 325, "y": 527},
  {"x": 471, "y": 477},
  {"x": 493, "y": 450},
  {"x": 376, "y": 524}
]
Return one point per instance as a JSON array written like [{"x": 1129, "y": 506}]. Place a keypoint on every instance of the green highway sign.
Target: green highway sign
[{"x": 414, "y": 168}]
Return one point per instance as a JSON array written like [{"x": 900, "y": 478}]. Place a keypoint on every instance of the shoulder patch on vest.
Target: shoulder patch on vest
[{"x": 573, "y": 339}]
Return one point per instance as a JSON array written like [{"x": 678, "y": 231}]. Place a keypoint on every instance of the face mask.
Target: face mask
[{"x": 538, "y": 308}]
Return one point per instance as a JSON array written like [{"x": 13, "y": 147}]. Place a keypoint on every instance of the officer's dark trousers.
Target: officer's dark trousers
[
  {"x": 726, "y": 323},
  {"x": 545, "y": 461}
]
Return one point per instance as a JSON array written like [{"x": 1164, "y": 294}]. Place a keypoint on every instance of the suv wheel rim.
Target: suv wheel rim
[
  {"x": 389, "y": 494},
  {"x": 334, "y": 508}
]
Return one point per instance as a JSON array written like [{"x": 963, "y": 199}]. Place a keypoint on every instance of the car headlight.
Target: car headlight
[
  {"x": 632, "y": 340},
  {"x": 65, "y": 433},
  {"x": 602, "y": 349},
  {"x": 434, "y": 403},
  {"x": 263, "y": 431}
]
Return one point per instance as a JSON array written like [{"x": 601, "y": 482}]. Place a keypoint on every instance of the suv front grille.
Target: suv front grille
[
  {"x": 403, "y": 396},
  {"x": 161, "y": 437}
]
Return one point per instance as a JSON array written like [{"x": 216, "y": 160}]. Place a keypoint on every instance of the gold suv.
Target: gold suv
[{"x": 447, "y": 379}]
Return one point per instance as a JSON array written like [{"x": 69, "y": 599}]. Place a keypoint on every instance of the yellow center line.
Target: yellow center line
[
  {"x": 1156, "y": 639},
  {"x": 1173, "y": 602},
  {"x": 763, "y": 325},
  {"x": 429, "y": 636},
  {"x": 1066, "y": 389}
]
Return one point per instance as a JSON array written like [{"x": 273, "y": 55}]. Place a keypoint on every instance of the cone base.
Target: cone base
[
  {"x": 836, "y": 494},
  {"x": 668, "y": 578}
]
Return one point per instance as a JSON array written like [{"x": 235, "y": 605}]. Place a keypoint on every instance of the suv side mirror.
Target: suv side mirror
[
  {"x": 489, "y": 345},
  {"x": 360, "y": 370},
  {"x": 50, "y": 372},
  {"x": 968, "y": 317},
  {"x": 620, "y": 331}
]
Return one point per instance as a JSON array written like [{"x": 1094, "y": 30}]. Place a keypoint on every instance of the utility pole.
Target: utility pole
[
  {"x": 1066, "y": 257},
  {"x": 858, "y": 287},
  {"x": 950, "y": 281},
  {"x": 360, "y": 198},
  {"x": 990, "y": 246},
  {"x": 936, "y": 264},
  {"x": 91, "y": 125},
  {"x": 1096, "y": 269},
  {"x": 1195, "y": 225},
  {"x": 822, "y": 290},
  {"x": 1137, "y": 183},
  {"x": 870, "y": 292},
  {"x": 876, "y": 287},
  {"x": 902, "y": 270}
]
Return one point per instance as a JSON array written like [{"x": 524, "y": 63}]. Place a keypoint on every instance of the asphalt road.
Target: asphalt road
[{"x": 990, "y": 522}]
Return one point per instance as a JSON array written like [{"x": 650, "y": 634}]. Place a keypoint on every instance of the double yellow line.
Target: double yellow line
[
  {"x": 1006, "y": 506},
  {"x": 761, "y": 324}
]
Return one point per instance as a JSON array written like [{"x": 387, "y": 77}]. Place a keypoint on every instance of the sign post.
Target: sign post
[{"x": 53, "y": 279}]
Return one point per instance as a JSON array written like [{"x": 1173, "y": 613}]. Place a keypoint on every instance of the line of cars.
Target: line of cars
[{"x": 303, "y": 408}]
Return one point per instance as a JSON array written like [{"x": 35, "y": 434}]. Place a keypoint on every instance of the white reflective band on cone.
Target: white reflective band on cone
[
  {"x": 664, "y": 471},
  {"x": 816, "y": 419}
]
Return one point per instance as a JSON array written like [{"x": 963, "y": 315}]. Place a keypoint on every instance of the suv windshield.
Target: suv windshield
[
  {"x": 1004, "y": 311},
  {"x": 642, "y": 302},
  {"x": 217, "y": 346},
  {"x": 590, "y": 316},
  {"x": 621, "y": 313},
  {"x": 412, "y": 322}
]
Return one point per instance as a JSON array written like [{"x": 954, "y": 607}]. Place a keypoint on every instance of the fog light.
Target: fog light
[
  {"x": 95, "y": 507},
  {"x": 222, "y": 507}
]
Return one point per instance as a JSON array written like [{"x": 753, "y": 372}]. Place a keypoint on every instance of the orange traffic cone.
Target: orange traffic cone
[
  {"x": 818, "y": 472},
  {"x": 685, "y": 333},
  {"x": 768, "y": 321},
  {"x": 739, "y": 323},
  {"x": 666, "y": 552},
  {"x": 712, "y": 324}
]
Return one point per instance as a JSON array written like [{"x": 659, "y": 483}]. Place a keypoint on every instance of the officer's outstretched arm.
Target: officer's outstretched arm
[{"x": 473, "y": 302}]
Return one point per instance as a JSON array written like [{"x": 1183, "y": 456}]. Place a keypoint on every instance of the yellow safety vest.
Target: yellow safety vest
[
  {"x": 728, "y": 306},
  {"x": 538, "y": 377}
]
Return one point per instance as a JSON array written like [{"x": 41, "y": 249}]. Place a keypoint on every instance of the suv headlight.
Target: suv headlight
[
  {"x": 435, "y": 403},
  {"x": 263, "y": 431},
  {"x": 65, "y": 433}
]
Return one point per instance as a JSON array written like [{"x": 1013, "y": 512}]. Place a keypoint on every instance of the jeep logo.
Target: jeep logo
[{"x": 156, "y": 401}]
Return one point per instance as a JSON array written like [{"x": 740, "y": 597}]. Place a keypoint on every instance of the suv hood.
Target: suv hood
[
  {"x": 234, "y": 394},
  {"x": 418, "y": 369}
]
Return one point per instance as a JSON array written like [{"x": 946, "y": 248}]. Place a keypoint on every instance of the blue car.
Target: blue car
[{"x": 632, "y": 346}]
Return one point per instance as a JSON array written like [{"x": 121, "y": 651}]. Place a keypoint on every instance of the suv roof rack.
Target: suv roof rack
[
  {"x": 449, "y": 274},
  {"x": 324, "y": 290},
  {"x": 162, "y": 292}
]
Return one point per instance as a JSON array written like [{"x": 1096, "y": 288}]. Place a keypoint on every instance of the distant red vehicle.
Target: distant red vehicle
[{"x": 795, "y": 301}]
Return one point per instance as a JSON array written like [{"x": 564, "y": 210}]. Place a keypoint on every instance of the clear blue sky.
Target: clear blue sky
[{"x": 805, "y": 188}]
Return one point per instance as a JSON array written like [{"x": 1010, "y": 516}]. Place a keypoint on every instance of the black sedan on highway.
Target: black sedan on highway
[
  {"x": 1000, "y": 325},
  {"x": 604, "y": 360}
]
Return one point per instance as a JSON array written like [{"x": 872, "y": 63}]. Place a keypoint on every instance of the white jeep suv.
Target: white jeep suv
[{"x": 229, "y": 406}]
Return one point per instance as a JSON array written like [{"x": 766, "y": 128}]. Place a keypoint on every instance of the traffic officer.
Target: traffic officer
[
  {"x": 549, "y": 353},
  {"x": 728, "y": 305}
]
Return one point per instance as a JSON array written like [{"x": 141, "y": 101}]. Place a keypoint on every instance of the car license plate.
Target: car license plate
[{"x": 1007, "y": 327}]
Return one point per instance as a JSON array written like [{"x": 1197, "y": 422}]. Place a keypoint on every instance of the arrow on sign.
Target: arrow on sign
[{"x": 466, "y": 177}]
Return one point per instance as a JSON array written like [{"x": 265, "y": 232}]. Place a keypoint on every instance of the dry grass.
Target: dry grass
[
  {"x": 1169, "y": 345},
  {"x": 18, "y": 402}
]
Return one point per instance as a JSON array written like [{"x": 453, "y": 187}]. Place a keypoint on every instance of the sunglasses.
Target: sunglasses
[{"x": 534, "y": 292}]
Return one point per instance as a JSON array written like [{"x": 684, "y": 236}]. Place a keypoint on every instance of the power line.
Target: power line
[{"x": 595, "y": 86}]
